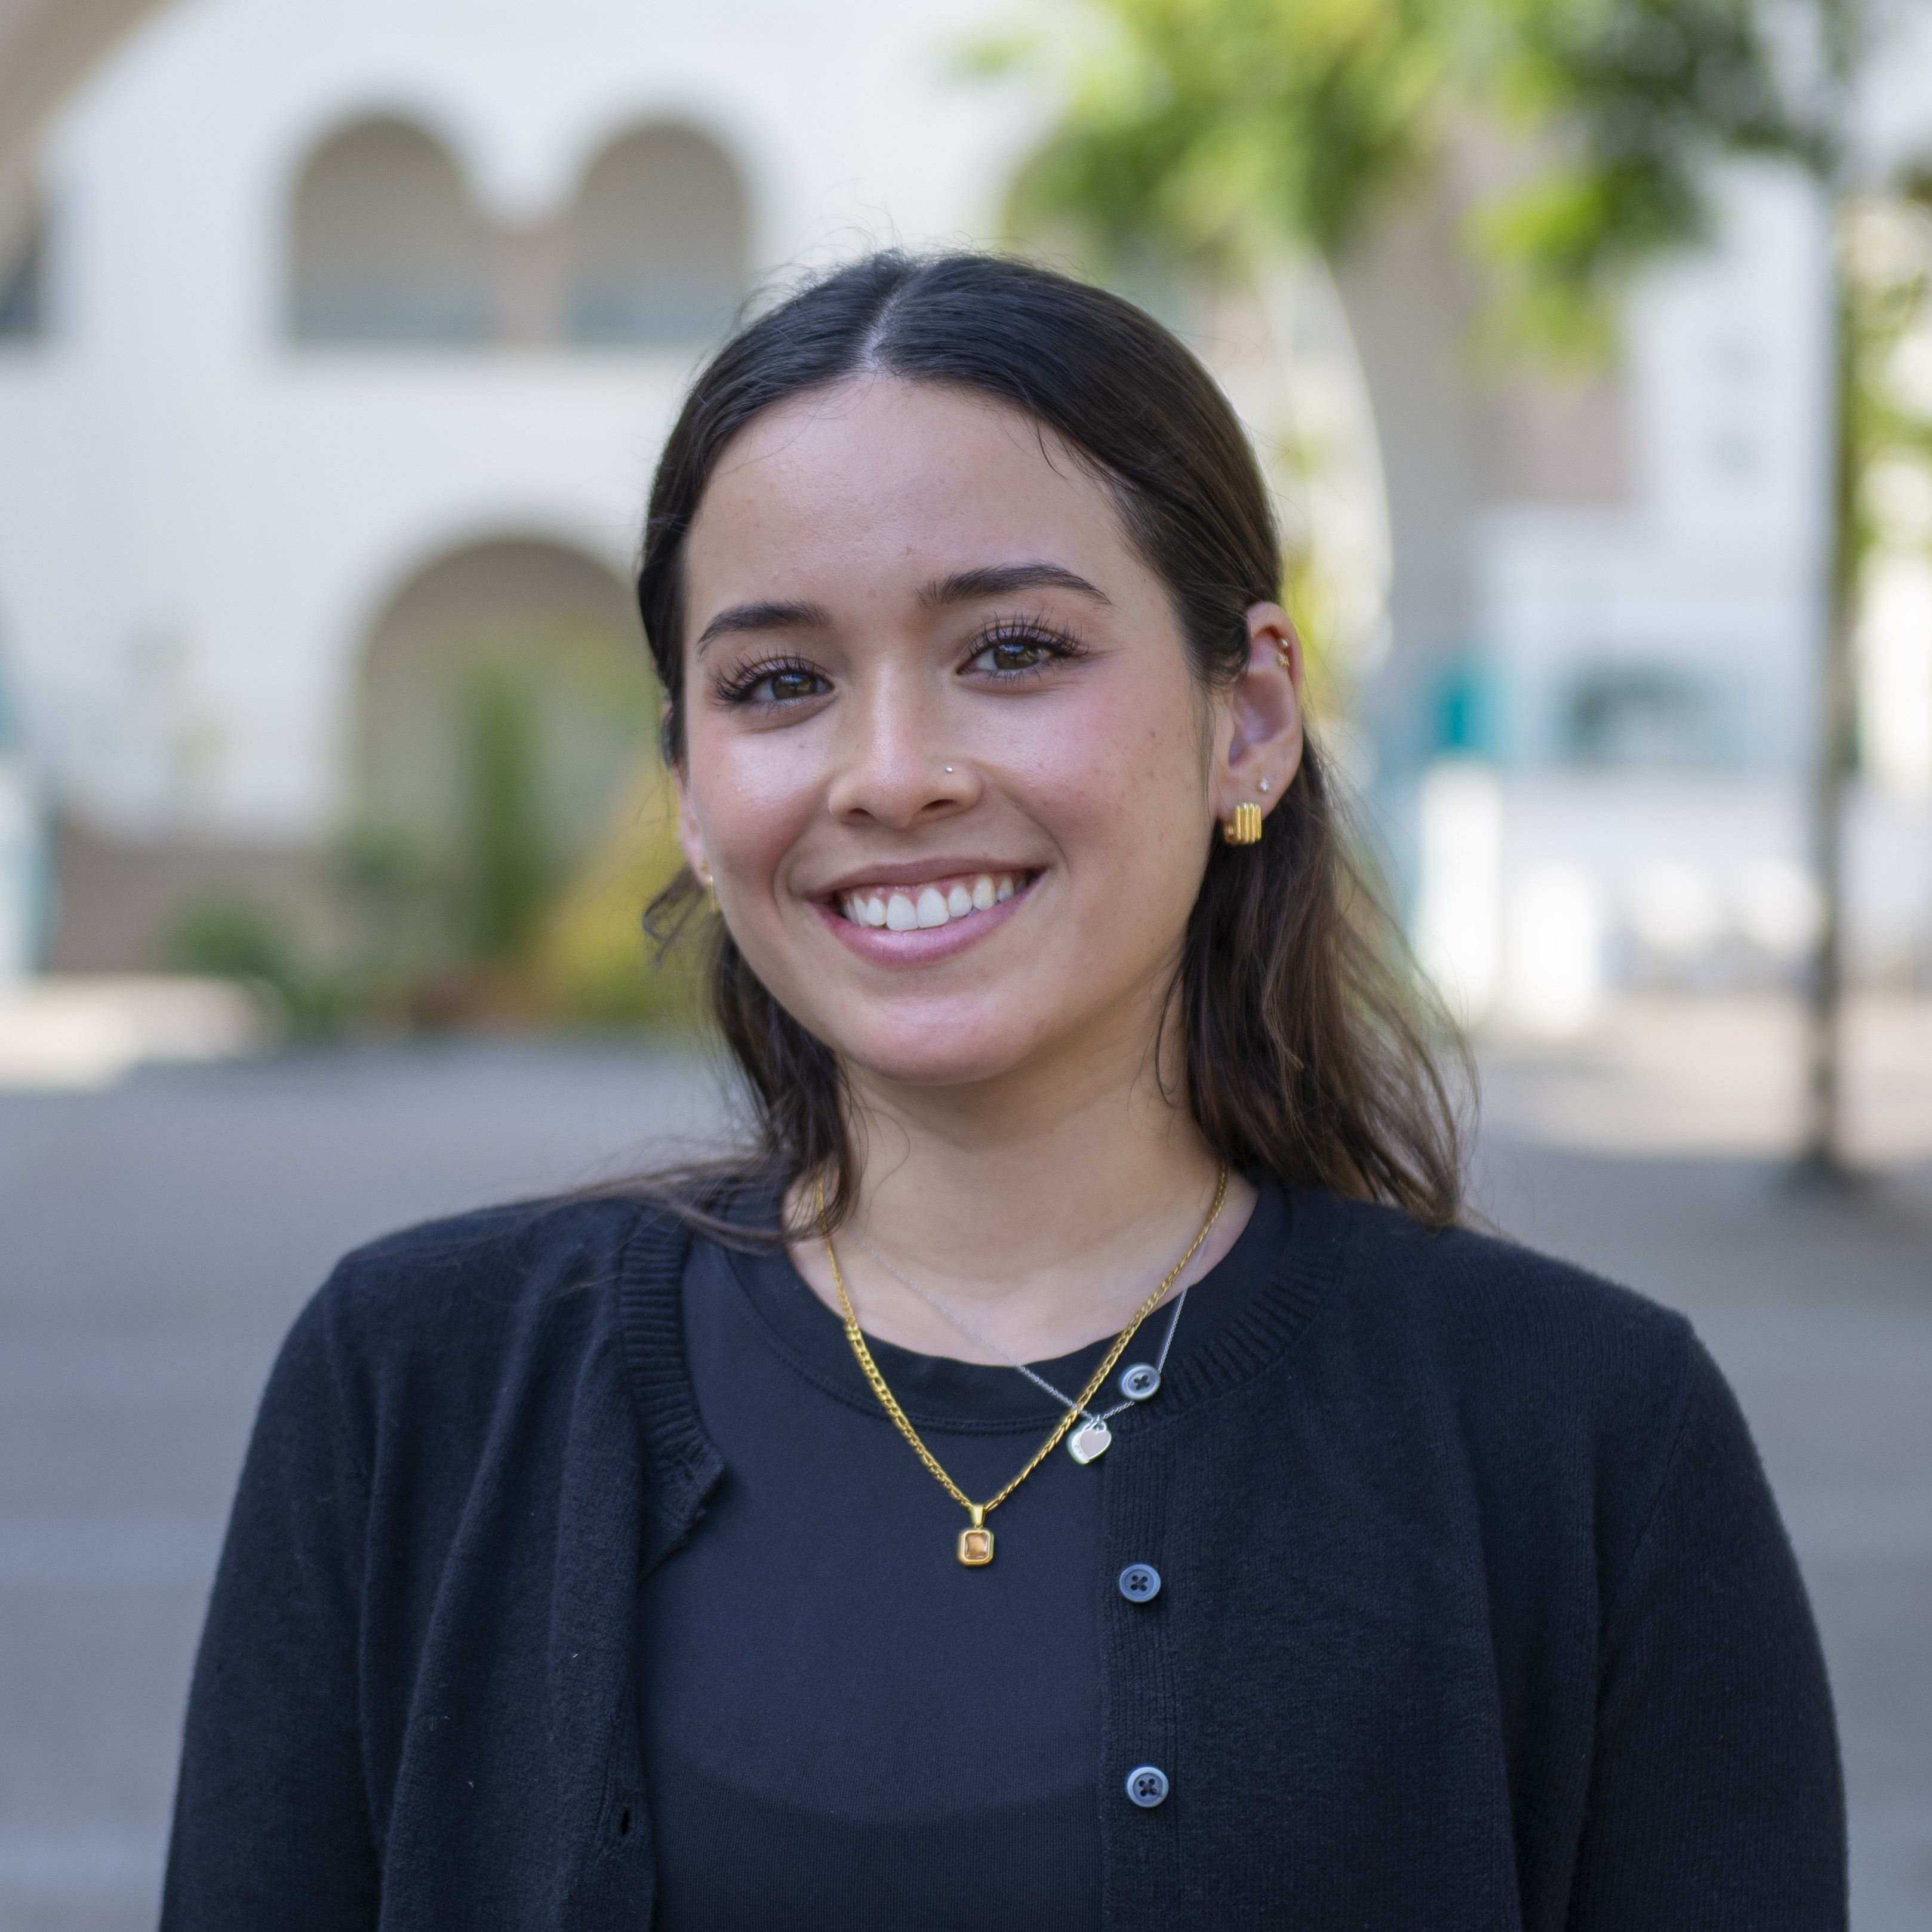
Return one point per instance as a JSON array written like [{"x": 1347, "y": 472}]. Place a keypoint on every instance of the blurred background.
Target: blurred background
[{"x": 1588, "y": 347}]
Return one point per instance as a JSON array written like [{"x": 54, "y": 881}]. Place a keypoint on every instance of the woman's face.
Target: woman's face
[{"x": 946, "y": 762}]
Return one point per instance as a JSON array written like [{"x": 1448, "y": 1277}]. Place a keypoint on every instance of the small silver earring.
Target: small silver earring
[
  {"x": 1262, "y": 784},
  {"x": 948, "y": 771}
]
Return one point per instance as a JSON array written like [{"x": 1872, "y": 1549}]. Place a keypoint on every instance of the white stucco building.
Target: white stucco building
[
  {"x": 353, "y": 328},
  {"x": 1640, "y": 686},
  {"x": 331, "y": 292}
]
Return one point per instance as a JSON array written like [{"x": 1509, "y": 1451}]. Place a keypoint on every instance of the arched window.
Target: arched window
[
  {"x": 658, "y": 245},
  {"x": 386, "y": 246}
]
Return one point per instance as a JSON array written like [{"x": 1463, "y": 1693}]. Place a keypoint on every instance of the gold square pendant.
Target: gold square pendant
[{"x": 976, "y": 1548}]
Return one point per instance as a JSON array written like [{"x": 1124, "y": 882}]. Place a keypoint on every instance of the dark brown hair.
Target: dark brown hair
[{"x": 1304, "y": 1057}]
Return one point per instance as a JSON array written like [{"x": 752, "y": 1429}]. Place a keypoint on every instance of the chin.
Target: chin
[{"x": 937, "y": 1052}]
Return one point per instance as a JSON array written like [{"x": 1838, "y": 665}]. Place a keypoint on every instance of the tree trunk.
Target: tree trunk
[{"x": 1821, "y": 1159}]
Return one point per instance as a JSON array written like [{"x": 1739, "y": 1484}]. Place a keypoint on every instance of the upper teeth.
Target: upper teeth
[{"x": 905, "y": 908}]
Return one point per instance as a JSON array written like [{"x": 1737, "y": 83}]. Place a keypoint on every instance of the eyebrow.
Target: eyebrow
[
  {"x": 963, "y": 586},
  {"x": 1001, "y": 580},
  {"x": 738, "y": 618}
]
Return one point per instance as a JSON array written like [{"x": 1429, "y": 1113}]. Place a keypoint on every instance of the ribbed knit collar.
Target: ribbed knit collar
[
  {"x": 1309, "y": 1267},
  {"x": 682, "y": 1464},
  {"x": 969, "y": 1398}
]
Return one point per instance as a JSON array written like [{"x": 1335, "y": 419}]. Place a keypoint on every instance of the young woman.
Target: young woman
[{"x": 707, "y": 1559}]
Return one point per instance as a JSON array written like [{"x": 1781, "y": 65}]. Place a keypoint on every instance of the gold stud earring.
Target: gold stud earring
[
  {"x": 1243, "y": 826},
  {"x": 1283, "y": 656}
]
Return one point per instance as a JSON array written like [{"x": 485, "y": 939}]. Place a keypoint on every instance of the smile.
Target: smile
[{"x": 932, "y": 903}]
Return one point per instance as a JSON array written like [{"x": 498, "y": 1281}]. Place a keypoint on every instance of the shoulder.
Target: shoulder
[
  {"x": 1471, "y": 1298},
  {"x": 492, "y": 1258},
  {"x": 446, "y": 1315},
  {"x": 1530, "y": 1363}
]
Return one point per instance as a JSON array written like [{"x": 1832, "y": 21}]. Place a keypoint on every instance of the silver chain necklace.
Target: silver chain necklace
[{"x": 1093, "y": 1438}]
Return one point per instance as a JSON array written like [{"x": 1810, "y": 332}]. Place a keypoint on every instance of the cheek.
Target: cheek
[
  {"x": 1124, "y": 778},
  {"x": 749, "y": 793}
]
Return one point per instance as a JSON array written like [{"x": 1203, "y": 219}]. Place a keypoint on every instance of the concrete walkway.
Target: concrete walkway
[{"x": 156, "y": 1239}]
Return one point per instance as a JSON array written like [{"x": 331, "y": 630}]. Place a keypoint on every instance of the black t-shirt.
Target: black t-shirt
[{"x": 843, "y": 1728}]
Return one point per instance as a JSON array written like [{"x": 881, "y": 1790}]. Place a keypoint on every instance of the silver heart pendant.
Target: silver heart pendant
[{"x": 1089, "y": 1441}]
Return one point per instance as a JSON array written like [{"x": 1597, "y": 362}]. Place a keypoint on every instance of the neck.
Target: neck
[{"x": 1042, "y": 1208}]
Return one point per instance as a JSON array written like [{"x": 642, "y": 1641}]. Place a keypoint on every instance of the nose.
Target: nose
[{"x": 894, "y": 765}]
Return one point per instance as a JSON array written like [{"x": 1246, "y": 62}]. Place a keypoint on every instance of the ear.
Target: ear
[
  {"x": 1264, "y": 746},
  {"x": 690, "y": 839}
]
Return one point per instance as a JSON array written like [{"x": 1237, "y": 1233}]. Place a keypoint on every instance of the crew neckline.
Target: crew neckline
[
  {"x": 1327, "y": 1233},
  {"x": 943, "y": 1393}
]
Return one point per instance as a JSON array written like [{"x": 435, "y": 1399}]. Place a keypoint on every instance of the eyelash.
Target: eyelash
[
  {"x": 736, "y": 687},
  {"x": 1057, "y": 643}
]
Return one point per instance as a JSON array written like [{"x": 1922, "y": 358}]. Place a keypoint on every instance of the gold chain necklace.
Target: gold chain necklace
[{"x": 976, "y": 1543}]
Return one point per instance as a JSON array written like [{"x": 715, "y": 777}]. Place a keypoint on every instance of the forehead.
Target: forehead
[{"x": 879, "y": 479}]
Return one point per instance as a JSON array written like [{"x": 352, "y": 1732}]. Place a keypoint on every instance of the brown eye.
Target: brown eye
[
  {"x": 784, "y": 686},
  {"x": 773, "y": 684},
  {"x": 1008, "y": 657}
]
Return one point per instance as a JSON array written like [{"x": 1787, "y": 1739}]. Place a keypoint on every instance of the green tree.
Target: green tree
[
  {"x": 505, "y": 865},
  {"x": 1209, "y": 132}
]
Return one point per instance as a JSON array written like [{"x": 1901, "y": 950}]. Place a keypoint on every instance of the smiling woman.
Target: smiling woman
[
  {"x": 703, "y": 1556},
  {"x": 863, "y": 484}
]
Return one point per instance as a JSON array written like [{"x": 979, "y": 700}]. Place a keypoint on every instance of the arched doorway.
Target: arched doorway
[{"x": 505, "y": 726}]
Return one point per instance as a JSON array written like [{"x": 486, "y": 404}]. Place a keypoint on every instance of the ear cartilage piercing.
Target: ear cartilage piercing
[
  {"x": 1261, "y": 784},
  {"x": 1283, "y": 656},
  {"x": 1243, "y": 825}
]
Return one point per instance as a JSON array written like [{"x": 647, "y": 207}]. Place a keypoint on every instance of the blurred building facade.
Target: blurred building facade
[
  {"x": 1600, "y": 705},
  {"x": 335, "y": 357},
  {"x": 344, "y": 340}
]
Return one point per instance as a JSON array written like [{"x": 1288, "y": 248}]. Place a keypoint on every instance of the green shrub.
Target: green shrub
[{"x": 239, "y": 940}]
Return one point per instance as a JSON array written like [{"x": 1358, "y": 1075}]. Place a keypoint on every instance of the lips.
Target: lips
[{"x": 926, "y": 905}]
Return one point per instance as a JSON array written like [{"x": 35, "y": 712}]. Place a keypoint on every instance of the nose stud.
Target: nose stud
[{"x": 948, "y": 771}]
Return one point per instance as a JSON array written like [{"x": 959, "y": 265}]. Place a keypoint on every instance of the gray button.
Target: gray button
[
  {"x": 1140, "y": 1582},
  {"x": 1146, "y": 1786},
  {"x": 1139, "y": 1381}
]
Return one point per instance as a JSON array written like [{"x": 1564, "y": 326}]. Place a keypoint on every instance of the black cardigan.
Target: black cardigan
[{"x": 1476, "y": 1613}]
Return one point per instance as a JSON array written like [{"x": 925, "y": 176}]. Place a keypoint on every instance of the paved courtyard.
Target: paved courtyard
[{"x": 156, "y": 1237}]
